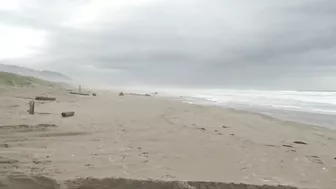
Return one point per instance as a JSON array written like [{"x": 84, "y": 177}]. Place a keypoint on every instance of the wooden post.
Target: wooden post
[
  {"x": 31, "y": 107},
  {"x": 68, "y": 114}
]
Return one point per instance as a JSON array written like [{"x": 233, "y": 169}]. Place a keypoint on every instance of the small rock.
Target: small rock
[
  {"x": 36, "y": 162},
  {"x": 335, "y": 158},
  {"x": 225, "y": 127},
  {"x": 288, "y": 146},
  {"x": 216, "y": 131},
  {"x": 87, "y": 165},
  {"x": 300, "y": 142},
  {"x": 232, "y": 134},
  {"x": 203, "y": 129},
  {"x": 121, "y": 94},
  {"x": 6, "y": 145},
  {"x": 94, "y": 94}
]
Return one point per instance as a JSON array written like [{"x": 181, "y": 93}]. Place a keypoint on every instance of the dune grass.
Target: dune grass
[{"x": 14, "y": 80}]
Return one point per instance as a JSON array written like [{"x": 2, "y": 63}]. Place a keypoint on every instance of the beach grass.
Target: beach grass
[{"x": 15, "y": 80}]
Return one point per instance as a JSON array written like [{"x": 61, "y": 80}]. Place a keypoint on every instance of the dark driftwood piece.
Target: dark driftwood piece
[
  {"x": 68, "y": 114},
  {"x": 31, "y": 107},
  {"x": 84, "y": 94},
  {"x": 300, "y": 142},
  {"x": 44, "y": 98}
]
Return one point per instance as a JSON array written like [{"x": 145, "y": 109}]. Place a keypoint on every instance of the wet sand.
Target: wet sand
[{"x": 155, "y": 138}]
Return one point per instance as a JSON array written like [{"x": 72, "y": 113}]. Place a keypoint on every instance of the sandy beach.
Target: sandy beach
[{"x": 156, "y": 138}]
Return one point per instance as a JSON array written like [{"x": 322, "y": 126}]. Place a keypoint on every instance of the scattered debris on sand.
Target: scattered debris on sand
[
  {"x": 315, "y": 159},
  {"x": 45, "y": 98},
  {"x": 300, "y": 142},
  {"x": 83, "y": 94},
  {"x": 68, "y": 114}
]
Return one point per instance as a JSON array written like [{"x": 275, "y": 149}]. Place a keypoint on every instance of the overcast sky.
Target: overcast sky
[{"x": 287, "y": 44}]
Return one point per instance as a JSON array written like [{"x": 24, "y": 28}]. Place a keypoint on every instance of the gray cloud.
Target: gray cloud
[{"x": 217, "y": 43}]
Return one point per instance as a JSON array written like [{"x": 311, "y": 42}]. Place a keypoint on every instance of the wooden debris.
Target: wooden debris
[
  {"x": 31, "y": 107},
  {"x": 225, "y": 127},
  {"x": 316, "y": 159},
  {"x": 68, "y": 114},
  {"x": 76, "y": 93},
  {"x": 137, "y": 94},
  {"x": 45, "y": 98},
  {"x": 300, "y": 142},
  {"x": 288, "y": 146}
]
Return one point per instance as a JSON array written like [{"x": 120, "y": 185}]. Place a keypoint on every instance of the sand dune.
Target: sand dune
[{"x": 152, "y": 138}]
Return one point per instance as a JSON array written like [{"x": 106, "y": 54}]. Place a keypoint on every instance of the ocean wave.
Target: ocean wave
[{"x": 303, "y": 101}]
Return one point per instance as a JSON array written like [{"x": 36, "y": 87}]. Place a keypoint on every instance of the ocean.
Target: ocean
[{"x": 309, "y": 107}]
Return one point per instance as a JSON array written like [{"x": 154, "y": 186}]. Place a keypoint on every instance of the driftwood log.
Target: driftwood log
[
  {"x": 76, "y": 93},
  {"x": 68, "y": 114},
  {"x": 44, "y": 98},
  {"x": 31, "y": 107}
]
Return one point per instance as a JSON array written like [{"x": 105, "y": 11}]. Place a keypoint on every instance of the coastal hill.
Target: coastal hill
[
  {"x": 45, "y": 75},
  {"x": 15, "y": 80}
]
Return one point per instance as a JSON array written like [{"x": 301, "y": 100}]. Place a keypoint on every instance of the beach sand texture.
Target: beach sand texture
[{"x": 154, "y": 138}]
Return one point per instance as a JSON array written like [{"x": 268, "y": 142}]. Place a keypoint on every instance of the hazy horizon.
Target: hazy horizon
[{"x": 242, "y": 44}]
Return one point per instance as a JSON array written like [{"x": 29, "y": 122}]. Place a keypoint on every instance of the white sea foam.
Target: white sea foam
[{"x": 303, "y": 101}]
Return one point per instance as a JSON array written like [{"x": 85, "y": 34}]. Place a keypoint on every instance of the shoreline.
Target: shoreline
[
  {"x": 159, "y": 138},
  {"x": 269, "y": 113},
  {"x": 245, "y": 111}
]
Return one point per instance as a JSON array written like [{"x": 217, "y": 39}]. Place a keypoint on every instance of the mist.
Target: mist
[{"x": 245, "y": 44}]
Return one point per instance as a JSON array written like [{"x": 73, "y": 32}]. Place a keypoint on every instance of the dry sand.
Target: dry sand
[{"x": 154, "y": 138}]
